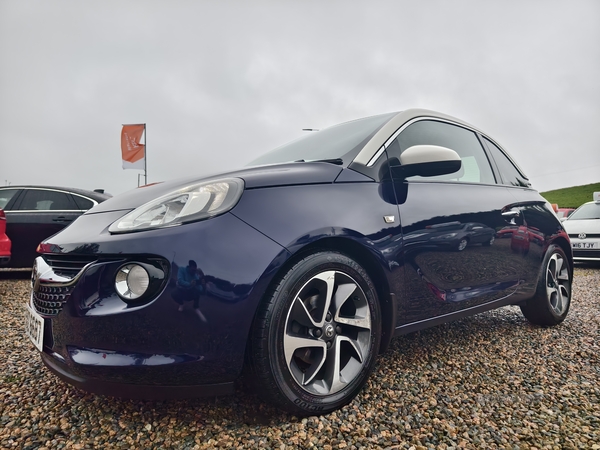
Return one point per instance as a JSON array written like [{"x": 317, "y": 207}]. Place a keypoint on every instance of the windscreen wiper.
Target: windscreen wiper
[{"x": 336, "y": 161}]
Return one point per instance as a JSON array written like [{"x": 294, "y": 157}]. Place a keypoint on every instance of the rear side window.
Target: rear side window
[
  {"x": 43, "y": 200},
  {"x": 82, "y": 202},
  {"x": 509, "y": 173},
  {"x": 6, "y": 195},
  {"x": 475, "y": 165}
]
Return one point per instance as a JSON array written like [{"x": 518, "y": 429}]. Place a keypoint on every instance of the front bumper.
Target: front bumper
[
  {"x": 582, "y": 250},
  {"x": 96, "y": 341},
  {"x": 5, "y": 245},
  {"x": 135, "y": 391}
]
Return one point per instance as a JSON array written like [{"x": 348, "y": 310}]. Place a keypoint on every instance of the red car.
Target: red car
[
  {"x": 563, "y": 213},
  {"x": 4, "y": 241}
]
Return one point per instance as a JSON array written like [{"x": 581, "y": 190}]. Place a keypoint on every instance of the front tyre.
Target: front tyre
[
  {"x": 489, "y": 242},
  {"x": 552, "y": 298},
  {"x": 462, "y": 244},
  {"x": 315, "y": 337}
]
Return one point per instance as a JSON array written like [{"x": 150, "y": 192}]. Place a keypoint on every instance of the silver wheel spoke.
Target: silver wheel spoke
[
  {"x": 360, "y": 322},
  {"x": 558, "y": 301},
  {"x": 329, "y": 278},
  {"x": 558, "y": 263},
  {"x": 562, "y": 272},
  {"x": 362, "y": 317},
  {"x": 354, "y": 345},
  {"x": 564, "y": 296},
  {"x": 300, "y": 314},
  {"x": 339, "y": 376},
  {"x": 333, "y": 367},
  {"x": 343, "y": 293},
  {"x": 557, "y": 275},
  {"x": 550, "y": 290},
  {"x": 293, "y": 343}
]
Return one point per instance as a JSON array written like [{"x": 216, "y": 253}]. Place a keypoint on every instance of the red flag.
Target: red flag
[{"x": 132, "y": 151}]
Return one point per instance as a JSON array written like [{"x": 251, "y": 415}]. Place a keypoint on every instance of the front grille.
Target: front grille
[
  {"x": 68, "y": 265},
  {"x": 587, "y": 235},
  {"x": 49, "y": 300},
  {"x": 588, "y": 253}
]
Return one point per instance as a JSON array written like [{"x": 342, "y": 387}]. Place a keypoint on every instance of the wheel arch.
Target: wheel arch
[{"x": 364, "y": 257}]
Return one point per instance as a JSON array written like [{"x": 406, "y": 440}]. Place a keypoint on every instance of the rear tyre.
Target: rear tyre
[
  {"x": 316, "y": 336},
  {"x": 552, "y": 298}
]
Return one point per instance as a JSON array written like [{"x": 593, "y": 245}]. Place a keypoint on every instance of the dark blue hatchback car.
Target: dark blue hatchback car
[{"x": 299, "y": 269}]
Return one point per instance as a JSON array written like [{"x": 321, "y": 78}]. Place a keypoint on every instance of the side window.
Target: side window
[
  {"x": 6, "y": 195},
  {"x": 42, "y": 200},
  {"x": 510, "y": 174},
  {"x": 475, "y": 165},
  {"x": 82, "y": 202}
]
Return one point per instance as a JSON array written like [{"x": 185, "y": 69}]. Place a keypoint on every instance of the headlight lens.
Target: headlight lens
[
  {"x": 192, "y": 203},
  {"x": 131, "y": 281}
]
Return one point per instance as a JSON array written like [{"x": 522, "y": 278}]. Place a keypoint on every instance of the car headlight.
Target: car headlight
[{"x": 189, "y": 204}]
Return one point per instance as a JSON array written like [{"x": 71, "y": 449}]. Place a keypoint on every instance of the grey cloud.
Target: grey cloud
[{"x": 220, "y": 82}]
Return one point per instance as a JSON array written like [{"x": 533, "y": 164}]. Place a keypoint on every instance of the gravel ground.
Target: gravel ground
[{"x": 489, "y": 381}]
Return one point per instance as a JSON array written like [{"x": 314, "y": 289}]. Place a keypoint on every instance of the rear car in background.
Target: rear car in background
[
  {"x": 4, "y": 241},
  {"x": 564, "y": 213},
  {"x": 34, "y": 213},
  {"x": 583, "y": 227}
]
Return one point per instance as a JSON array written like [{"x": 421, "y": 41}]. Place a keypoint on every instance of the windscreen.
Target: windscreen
[
  {"x": 588, "y": 211},
  {"x": 342, "y": 141}
]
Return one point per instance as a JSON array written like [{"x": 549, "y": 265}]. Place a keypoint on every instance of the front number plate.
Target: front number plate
[
  {"x": 34, "y": 328},
  {"x": 585, "y": 245}
]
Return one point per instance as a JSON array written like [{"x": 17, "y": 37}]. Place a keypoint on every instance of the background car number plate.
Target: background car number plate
[
  {"x": 34, "y": 328},
  {"x": 585, "y": 245}
]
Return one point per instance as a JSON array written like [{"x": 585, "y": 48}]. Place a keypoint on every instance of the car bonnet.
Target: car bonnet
[{"x": 254, "y": 177}]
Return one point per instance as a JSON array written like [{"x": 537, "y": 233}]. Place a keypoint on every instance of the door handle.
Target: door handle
[{"x": 61, "y": 219}]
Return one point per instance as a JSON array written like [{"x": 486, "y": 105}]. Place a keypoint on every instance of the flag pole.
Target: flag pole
[{"x": 145, "y": 157}]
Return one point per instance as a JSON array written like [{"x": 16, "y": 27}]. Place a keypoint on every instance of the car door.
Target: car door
[
  {"x": 452, "y": 258},
  {"x": 537, "y": 225},
  {"x": 37, "y": 214}
]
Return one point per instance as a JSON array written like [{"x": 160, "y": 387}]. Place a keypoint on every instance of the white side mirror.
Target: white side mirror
[{"x": 429, "y": 161}]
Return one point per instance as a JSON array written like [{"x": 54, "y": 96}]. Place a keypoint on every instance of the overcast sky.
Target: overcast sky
[{"x": 218, "y": 83}]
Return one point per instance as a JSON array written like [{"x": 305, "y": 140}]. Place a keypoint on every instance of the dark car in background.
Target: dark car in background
[
  {"x": 296, "y": 269},
  {"x": 34, "y": 213}
]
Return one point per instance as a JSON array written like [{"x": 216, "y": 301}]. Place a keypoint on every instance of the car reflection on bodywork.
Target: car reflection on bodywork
[
  {"x": 467, "y": 292},
  {"x": 451, "y": 235},
  {"x": 521, "y": 237}
]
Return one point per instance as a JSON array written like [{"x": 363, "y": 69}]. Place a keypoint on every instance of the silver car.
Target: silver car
[{"x": 583, "y": 227}]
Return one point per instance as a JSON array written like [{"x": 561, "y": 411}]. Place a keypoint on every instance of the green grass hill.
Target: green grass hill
[{"x": 572, "y": 197}]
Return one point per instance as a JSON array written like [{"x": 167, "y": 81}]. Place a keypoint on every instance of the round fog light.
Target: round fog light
[{"x": 131, "y": 281}]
